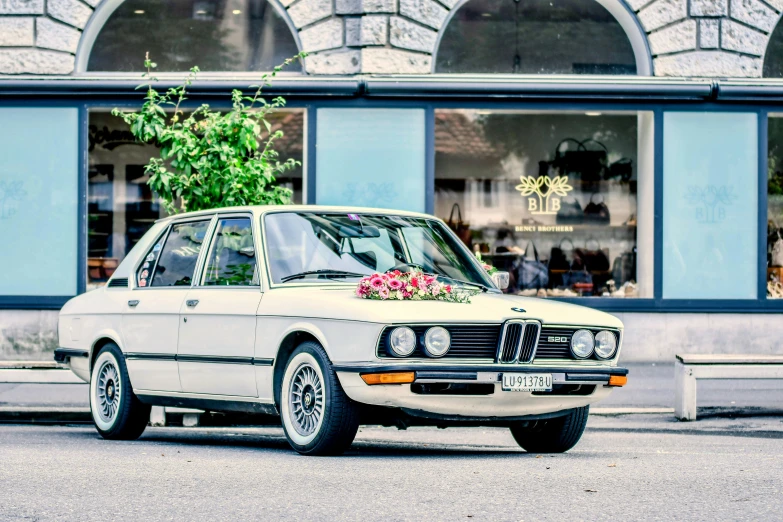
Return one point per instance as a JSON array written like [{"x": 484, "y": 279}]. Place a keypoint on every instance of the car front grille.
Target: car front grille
[
  {"x": 519, "y": 342},
  {"x": 467, "y": 341}
]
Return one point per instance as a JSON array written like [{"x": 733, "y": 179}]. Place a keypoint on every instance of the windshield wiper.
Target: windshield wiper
[
  {"x": 325, "y": 272},
  {"x": 469, "y": 283}
]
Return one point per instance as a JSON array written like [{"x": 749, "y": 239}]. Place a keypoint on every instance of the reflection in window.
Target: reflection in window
[
  {"x": 175, "y": 263},
  {"x": 232, "y": 259},
  {"x": 773, "y": 59},
  {"x": 216, "y": 35},
  {"x": 121, "y": 205},
  {"x": 559, "y": 200},
  {"x": 534, "y": 37},
  {"x": 775, "y": 208}
]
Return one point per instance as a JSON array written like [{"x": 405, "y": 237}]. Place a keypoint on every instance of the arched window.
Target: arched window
[
  {"x": 773, "y": 59},
  {"x": 216, "y": 35},
  {"x": 535, "y": 37}
]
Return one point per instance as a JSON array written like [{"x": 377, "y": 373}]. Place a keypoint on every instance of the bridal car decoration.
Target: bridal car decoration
[{"x": 409, "y": 286}]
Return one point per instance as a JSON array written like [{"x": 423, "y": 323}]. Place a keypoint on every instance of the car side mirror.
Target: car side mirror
[{"x": 501, "y": 279}]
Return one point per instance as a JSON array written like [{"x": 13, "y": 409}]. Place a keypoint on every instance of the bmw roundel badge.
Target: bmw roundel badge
[{"x": 520, "y": 310}]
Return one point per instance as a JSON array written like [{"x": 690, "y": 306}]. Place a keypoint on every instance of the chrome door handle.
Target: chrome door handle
[
  {"x": 133, "y": 303},
  {"x": 191, "y": 302}
]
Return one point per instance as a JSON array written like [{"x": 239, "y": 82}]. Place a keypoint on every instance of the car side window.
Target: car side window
[
  {"x": 232, "y": 257},
  {"x": 175, "y": 263},
  {"x": 148, "y": 266}
]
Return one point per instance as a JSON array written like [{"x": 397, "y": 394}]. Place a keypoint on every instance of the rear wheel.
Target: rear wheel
[
  {"x": 318, "y": 418},
  {"x": 117, "y": 412},
  {"x": 556, "y": 435}
]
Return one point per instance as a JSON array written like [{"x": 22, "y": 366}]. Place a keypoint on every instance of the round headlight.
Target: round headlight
[
  {"x": 605, "y": 344},
  {"x": 582, "y": 344},
  {"x": 437, "y": 341},
  {"x": 402, "y": 341}
]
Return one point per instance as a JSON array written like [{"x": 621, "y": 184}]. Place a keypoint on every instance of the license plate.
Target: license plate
[{"x": 527, "y": 382}]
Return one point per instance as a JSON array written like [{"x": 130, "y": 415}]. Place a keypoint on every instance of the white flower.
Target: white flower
[
  {"x": 399, "y": 295},
  {"x": 409, "y": 288},
  {"x": 422, "y": 292}
]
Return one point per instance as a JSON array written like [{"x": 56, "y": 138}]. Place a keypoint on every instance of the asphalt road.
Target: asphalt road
[{"x": 625, "y": 468}]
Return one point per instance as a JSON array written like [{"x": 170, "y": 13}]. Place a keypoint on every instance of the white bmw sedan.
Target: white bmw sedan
[{"x": 269, "y": 310}]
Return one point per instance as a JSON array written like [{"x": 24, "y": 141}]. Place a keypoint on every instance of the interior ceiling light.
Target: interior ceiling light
[
  {"x": 138, "y": 11},
  {"x": 592, "y": 114},
  {"x": 236, "y": 11},
  {"x": 201, "y": 12}
]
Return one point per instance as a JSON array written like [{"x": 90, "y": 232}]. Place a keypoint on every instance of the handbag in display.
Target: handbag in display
[
  {"x": 532, "y": 273},
  {"x": 597, "y": 212},
  {"x": 777, "y": 252},
  {"x": 621, "y": 170},
  {"x": 570, "y": 212},
  {"x": 461, "y": 228},
  {"x": 624, "y": 267},
  {"x": 558, "y": 259},
  {"x": 587, "y": 164},
  {"x": 577, "y": 277},
  {"x": 595, "y": 258}
]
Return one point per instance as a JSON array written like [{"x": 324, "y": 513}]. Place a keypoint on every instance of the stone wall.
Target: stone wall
[
  {"x": 708, "y": 38},
  {"x": 28, "y": 335}
]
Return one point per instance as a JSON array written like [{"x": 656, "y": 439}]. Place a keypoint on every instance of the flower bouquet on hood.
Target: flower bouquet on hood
[{"x": 409, "y": 286}]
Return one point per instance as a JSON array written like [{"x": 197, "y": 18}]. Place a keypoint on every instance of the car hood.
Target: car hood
[{"x": 342, "y": 303}]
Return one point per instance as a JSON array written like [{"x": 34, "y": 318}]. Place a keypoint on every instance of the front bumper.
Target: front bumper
[{"x": 497, "y": 404}]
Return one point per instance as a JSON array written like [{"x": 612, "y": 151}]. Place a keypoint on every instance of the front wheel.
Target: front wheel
[
  {"x": 117, "y": 412},
  {"x": 318, "y": 418},
  {"x": 556, "y": 435}
]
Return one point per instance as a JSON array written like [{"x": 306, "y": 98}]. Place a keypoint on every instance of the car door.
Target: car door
[
  {"x": 150, "y": 320},
  {"x": 218, "y": 327}
]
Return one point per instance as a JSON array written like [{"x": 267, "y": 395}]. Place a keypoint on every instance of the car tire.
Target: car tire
[
  {"x": 318, "y": 417},
  {"x": 556, "y": 435},
  {"x": 116, "y": 411}
]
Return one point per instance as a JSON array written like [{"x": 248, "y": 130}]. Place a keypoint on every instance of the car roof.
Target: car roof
[{"x": 265, "y": 209}]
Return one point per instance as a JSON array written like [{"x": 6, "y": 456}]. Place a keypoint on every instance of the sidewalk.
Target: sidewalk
[{"x": 650, "y": 387}]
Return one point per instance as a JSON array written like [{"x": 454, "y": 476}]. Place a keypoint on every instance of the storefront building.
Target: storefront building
[{"x": 621, "y": 154}]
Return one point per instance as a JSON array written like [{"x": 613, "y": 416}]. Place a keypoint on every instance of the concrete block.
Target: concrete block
[
  {"x": 427, "y": 12},
  {"x": 324, "y": 35},
  {"x": 190, "y": 420},
  {"x": 709, "y": 34},
  {"x": 16, "y": 32},
  {"x": 306, "y": 12},
  {"x": 408, "y": 35},
  {"x": 754, "y": 13},
  {"x": 366, "y": 30},
  {"x": 18, "y": 7},
  {"x": 743, "y": 39},
  {"x": 678, "y": 37},
  {"x": 638, "y": 4},
  {"x": 26, "y": 335},
  {"x": 709, "y": 7},
  {"x": 708, "y": 64},
  {"x": 72, "y": 12},
  {"x": 394, "y": 61},
  {"x": 337, "y": 63},
  {"x": 365, "y": 6},
  {"x": 157, "y": 416},
  {"x": 57, "y": 36},
  {"x": 662, "y": 12}
]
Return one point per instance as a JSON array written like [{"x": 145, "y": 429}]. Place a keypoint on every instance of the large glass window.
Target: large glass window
[
  {"x": 232, "y": 257},
  {"x": 39, "y": 195},
  {"x": 534, "y": 37},
  {"x": 561, "y": 200},
  {"x": 710, "y": 205},
  {"x": 775, "y": 208},
  {"x": 371, "y": 158},
  {"x": 121, "y": 206},
  {"x": 216, "y": 35}
]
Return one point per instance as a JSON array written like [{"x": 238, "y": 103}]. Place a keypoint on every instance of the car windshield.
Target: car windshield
[{"x": 331, "y": 247}]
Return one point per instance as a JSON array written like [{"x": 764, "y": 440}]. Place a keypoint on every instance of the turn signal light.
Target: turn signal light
[
  {"x": 618, "y": 380},
  {"x": 389, "y": 378}
]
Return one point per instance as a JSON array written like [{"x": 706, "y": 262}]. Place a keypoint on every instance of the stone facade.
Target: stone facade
[{"x": 704, "y": 38}]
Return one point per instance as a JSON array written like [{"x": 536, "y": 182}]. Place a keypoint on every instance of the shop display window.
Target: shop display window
[
  {"x": 710, "y": 205},
  {"x": 563, "y": 201},
  {"x": 231, "y": 35},
  {"x": 534, "y": 37},
  {"x": 120, "y": 205},
  {"x": 775, "y": 208}
]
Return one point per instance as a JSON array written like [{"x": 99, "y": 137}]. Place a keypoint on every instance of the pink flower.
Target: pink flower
[
  {"x": 448, "y": 289},
  {"x": 360, "y": 291},
  {"x": 383, "y": 293},
  {"x": 414, "y": 282},
  {"x": 406, "y": 294},
  {"x": 435, "y": 288},
  {"x": 395, "y": 284},
  {"x": 377, "y": 282}
]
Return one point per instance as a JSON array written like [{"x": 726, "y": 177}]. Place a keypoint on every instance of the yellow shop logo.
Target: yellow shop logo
[{"x": 545, "y": 191}]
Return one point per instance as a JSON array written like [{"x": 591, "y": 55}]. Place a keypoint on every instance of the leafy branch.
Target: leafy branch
[{"x": 209, "y": 158}]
